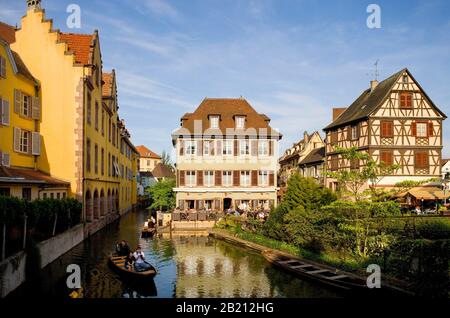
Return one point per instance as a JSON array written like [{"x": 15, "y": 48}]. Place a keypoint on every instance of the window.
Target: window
[
  {"x": 5, "y": 192},
  {"x": 103, "y": 122},
  {"x": 387, "y": 157},
  {"x": 208, "y": 179},
  {"x": 45, "y": 196},
  {"x": 207, "y": 147},
  {"x": 228, "y": 147},
  {"x": 26, "y": 194},
  {"x": 240, "y": 122},
  {"x": 24, "y": 141},
  {"x": 190, "y": 178},
  {"x": 26, "y": 106},
  {"x": 88, "y": 155},
  {"x": 244, "y": 147},
  {"x": 96, "y": 116},
  {"x": 114, "y": 134},
  {"x": 58, "y": 195},
  {"x": 88, "y": 108},
  {"x": 190, "y": 147},
  {"x": 52, "y": 195},
  {"x": 109, "y": 129},
  {"x": 387, "y": 129},
  {"x": 64, "y": 195},
  {"x": 263, "y": 148},
  {"x": 214, "y": 122},
  {"x": 263, "y": 178},
  {"x": 405, "y": 79},
  {"x": 421, "y": 130},
  {"x": 334, "y": 163},
  {"x": 109, "y": 165},
  {"x": 2, "y": 67},
  {"x": 334, "y": 137},
  {"x": 227, "y": 178},
  {"x": 354, "y": 132},
  {"x": 245, "y": 178},
  {"x": 421, "y": 159},
  {"x": 103, "y": 162},
  {"x": 96, "y": 159},
  {"x": 406, "y": 100}
]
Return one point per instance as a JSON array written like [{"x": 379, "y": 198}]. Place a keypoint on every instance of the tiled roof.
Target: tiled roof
[
  {"x": 144, "y": 152},
  {"x": 227, "y": 109},
  {"x": 315, "y": 156},
  {"x": 162, "y": 171},
  {"x": 28, "y": 176},
  {"x": 80, "y": 45},
  {"x": 7, "y": 32},
  {"x": 107, "y": 85}
]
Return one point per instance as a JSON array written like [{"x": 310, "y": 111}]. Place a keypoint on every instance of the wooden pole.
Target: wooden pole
[
  {"x": 4, "y": 242},
  {"x": 54, "y": 224},
  {"x": 24, "y": 232}
]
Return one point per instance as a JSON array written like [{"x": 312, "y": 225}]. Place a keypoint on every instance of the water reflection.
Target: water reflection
[{"x": 189, "y": 265}]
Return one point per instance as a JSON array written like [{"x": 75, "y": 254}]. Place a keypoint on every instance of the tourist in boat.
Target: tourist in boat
[
  {"x": 122, "y": 248},
  {"x": 140, "y": 264},
  {"x": 129, "y": 261}
]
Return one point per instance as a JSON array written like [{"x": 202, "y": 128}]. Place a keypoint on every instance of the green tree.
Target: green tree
[{"x": 162, "y": 195}]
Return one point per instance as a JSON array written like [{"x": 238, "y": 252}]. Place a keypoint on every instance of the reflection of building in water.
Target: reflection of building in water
[{"x": 205, "y": 270}]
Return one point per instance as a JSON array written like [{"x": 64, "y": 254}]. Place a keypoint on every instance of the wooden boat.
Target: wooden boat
[
  {"x": 314, "y": 272},
  {"x": 148, "y": 232},
  {"x": 118, "y": 263}
]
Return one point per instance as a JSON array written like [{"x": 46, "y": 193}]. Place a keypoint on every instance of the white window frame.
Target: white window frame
[
  {"x": 207, "y": 147},
  {"x": 208, "y": 178},
  {"x": 227, "y": 147},
  {"x": 227, "y": 178},
  {"x": 422, "y": 130},
  {"x": 191, "y": 178},
  {"x": 245, "y": 180},
  {"x": 263, "y": 148},
  {"x": 214, "y": 122},
  {"x": 240, "y": 122},
  {"x": 28, "y": 107},
  {"x": 244, "y": 147},
  {"x": 263, "y": 178},
  {"x": 354, "y": 132},
  {"x": 24, "y": 143},
  {"x": 191, "y": 147}
]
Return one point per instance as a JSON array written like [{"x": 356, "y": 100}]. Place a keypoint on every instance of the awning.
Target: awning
[
  {"x": 28, "y": 176},
  {"x": 427, "y": 193}
]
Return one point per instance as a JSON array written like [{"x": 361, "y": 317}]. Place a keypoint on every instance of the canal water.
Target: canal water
[{"x": 189, "y": 264}]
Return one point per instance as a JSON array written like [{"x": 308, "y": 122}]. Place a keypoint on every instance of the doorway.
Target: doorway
[{"x": 227, "y": 202}]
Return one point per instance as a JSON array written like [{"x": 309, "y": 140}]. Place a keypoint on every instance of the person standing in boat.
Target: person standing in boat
[
  {"x": 123, "y": 249},
  {"x": 140, "y": 264}
]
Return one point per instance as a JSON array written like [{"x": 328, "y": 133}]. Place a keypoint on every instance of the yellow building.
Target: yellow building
[
  {"x": 20, "y": 138},
  {"x": 81, "y": 129},
  {"x": 149, "y": 159}
]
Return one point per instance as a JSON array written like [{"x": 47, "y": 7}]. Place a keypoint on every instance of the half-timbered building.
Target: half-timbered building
[{"x": 395, "y": 122}]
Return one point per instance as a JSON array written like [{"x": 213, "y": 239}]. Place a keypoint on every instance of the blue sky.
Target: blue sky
[{"x": 292, "y": 59}]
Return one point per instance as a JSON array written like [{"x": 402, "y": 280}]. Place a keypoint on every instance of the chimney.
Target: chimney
[
  {"x": 33, "y": 4},
  {"x": 337, "y": 112},
  {"x": 305, "y": 137},
  {"x": 373, "y": 85}
]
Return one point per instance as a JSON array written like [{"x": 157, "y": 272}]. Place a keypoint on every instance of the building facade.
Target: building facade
[
  {"x": 148, "y": 159},
  {"x": 84, "y": 142},
  {"x": 303, "y": 158},
  {"x": 395, "y": 122},
  {"x": 226, "y": 157}
]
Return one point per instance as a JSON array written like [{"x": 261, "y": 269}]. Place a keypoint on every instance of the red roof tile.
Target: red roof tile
[
  {"x": 80, "y": 45},
  {"x": 162, "y": 171},
  {"x": 147, "y": 153},
  {"x": 7, "y": 33}
]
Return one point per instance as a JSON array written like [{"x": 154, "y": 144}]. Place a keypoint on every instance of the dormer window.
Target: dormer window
[
  {"x": 240, "y": 122},
  {"x": 214, "y": 121},
  {"x": 405, "y": 79}
]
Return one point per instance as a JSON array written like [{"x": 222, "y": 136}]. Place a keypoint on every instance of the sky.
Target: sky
[{"x": 293, "y": 60}]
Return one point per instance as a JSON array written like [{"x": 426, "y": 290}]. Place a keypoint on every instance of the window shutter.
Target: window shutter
[
  {"x": 16, "y": 139},
  {"x": 414, "y": 129},
  {"x": 17, "y": 101},
  {"x": 181, "y": 147},
  {"x": 218, "y": 178},
  {"x": 182, "y": 182},
  {"x": 2, "y": 67},
  {"x": 358, "y": 130},
  {"x": 270, "y": 147},
  {"x": 219, "y": 147},
  {"x": 271, "y": 178},
  {"x": 254, "y": 147},
  {"x": 211, "y": 147},
  {"x": 5, "y": 116},
  {"x": 36, "y": 114},
  {"x": 254, "y": 178},
  {"x": 200, "y": 204},
  {"x": 430, "y": 129},
  {"x": 236, "y": 178},
  {"x": 199, "y": 147},
  {"x": 199, "y": 178},
  {"x": 217, "y": 204},
  {"x": 36, "y": 144},
  {"x": 181, "y": 204},
  {"x": 5, "y": 159},
  {"x": 236, "y": 147}
]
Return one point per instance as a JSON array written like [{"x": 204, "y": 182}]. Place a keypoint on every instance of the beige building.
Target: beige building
[
  {"x": 149, "y": 160},
  {"x": 226, "y": 157},
  {"x": 395, "y": 122}
]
